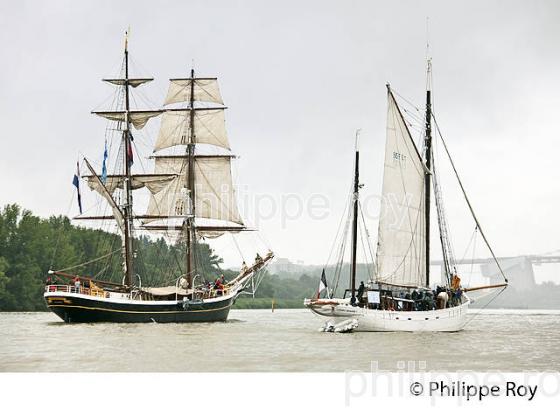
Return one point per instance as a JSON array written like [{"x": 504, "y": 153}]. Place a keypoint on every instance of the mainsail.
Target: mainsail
[
  {"x": 401, "y": 254},
  {"x": 215, "y": 196}
]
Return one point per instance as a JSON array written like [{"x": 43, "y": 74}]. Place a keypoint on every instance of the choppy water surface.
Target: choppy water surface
[{"x": 286, "y": 340}]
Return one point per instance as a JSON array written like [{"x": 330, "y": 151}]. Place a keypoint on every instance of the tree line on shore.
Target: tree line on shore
[{"x": 30, "y": 246}]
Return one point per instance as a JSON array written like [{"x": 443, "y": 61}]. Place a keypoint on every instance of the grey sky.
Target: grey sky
[{"x": 299, "y": 77}]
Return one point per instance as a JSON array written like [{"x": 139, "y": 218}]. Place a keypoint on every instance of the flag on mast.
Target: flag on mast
[
  {"x": 76, "y": 183},
  {"x": 104, "y": 168},
  {"x": 130, "y": 154},
  {"x": 323, "y": 284}
]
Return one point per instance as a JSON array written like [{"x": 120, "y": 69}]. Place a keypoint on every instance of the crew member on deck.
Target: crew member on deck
[
  {"x": 442, "y": 298},
  {"x": 219, "y": 286},
  {"x": 77, "y": 284},
  {"x": 258, "y": 259},
  {"x": 361, "y": 291}
]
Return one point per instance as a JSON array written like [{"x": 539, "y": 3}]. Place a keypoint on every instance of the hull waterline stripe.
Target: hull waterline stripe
[{"x": 138, "y": 311}]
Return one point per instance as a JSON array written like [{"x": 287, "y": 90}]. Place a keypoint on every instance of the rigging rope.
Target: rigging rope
[
  {"x": 369, "y": 247},
  {"x": 342, "y": 249},
  {"x": 484, "y": 307},
  {"x": 238, "y": 248},
  {"x": 473, "y": 255},
  {"x": 90, "y": 261},
  {"x": 59, "y": 233},
  {"x": 468, "y": 202}
]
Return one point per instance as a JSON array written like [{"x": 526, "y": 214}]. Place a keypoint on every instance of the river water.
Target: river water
[{"x": 280, "y": 341}]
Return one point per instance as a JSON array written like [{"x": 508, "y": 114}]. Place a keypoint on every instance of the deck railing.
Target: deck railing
[
  {"x": 202, "y": 293},
  {"x": 76, "y": 289}
]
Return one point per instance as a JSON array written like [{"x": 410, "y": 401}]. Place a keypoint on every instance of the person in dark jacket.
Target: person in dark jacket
[{"x": 361, "y": 290}]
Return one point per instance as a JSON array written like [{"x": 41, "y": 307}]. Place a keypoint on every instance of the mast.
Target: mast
[
  {"x": 355, "y": 222},
  {"x": 428, "y": 171},
  {"x": 127, "y": 207},
  {"x": 191, "y": 238}
]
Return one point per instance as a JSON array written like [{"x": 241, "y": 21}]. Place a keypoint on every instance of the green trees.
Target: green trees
[{"x": 30, "y": 246}]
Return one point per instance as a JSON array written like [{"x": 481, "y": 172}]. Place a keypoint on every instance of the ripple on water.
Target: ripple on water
[{"x": 286, "y": 340}]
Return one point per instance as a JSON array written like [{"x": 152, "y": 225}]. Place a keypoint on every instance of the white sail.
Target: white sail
[
  {"x": 137, "y": 118},
  {"x": 205, "y": 90},
  {"x": 401, "y": 239},
  {"x": 100, "y": 188},
  {"x": 154, "y": 183},
  {"x": 209, "y": 127},
  {"x": 215, "y": 196}
]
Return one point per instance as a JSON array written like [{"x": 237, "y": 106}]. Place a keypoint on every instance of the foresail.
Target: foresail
[
  {"x": 205, "y": 90},
  {"x": 100, "y": 188},
  {"x": 401, "y": 238},
  {"x": 209, "y": 128}
]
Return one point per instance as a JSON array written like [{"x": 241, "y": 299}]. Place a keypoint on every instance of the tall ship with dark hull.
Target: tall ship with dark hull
[{"x": 190, "y": 199}]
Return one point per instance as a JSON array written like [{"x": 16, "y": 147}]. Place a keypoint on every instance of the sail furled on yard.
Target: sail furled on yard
[
  {"x": 215, "y": 195},
  {"x": 137, "y": 118},
  {"x": 104, "y": 192},
  {"x": 401, "y": 238},
  {"x": 209, "y": 125},
  {"x": 154, "y": 183},
  {"x": 205, "y": 90},
  {"x": 133, "y": 82}
]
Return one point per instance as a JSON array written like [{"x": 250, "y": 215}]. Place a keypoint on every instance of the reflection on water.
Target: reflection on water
[{"x": 286, "y": 340}]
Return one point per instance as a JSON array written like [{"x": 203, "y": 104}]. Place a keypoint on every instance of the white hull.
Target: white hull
[{"x": 370, "y": 320}]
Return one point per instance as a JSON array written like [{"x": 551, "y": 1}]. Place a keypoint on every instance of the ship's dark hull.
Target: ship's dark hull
[{"x": 77, "y": 309}]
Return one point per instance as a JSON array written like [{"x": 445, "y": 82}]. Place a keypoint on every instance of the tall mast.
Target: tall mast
[
  {"x": 355, "y": 221},
  {"x": 127, "y": 208},
  {"x": 191, "y": 238},
  {"x": 428, "y": 171}
]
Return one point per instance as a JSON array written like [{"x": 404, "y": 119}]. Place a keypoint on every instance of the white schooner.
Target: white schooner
[{"x": 399, "y": 296}]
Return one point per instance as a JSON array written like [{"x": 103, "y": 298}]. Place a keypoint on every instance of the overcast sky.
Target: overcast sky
[{"x": 299, "y": 77}]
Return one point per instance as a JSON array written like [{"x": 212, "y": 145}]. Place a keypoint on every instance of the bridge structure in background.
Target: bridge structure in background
[{"x": 518, "y": 269}]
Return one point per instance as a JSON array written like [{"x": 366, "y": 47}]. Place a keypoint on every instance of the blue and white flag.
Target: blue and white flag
[
  {"x": 76, "y": 183},
  {"x": 104, "y": 168}
]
